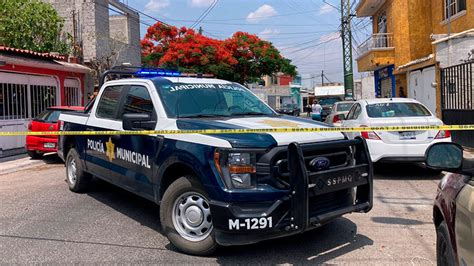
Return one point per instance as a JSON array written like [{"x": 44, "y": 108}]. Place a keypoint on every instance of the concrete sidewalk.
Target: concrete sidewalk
[{"x": 21, "y": 162}]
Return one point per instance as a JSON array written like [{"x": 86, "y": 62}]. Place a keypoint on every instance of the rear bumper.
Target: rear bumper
[
  {"x": 36, "y": 143},
  {"x": 311, "y": 201},
  {"x": 381, "y": 151}
]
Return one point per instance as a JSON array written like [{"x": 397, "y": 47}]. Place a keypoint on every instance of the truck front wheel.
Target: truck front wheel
[
  {"x": 77, "y": 179},
  {"x": 186, "y": 217}
]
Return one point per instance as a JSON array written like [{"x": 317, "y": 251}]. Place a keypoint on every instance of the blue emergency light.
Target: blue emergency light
[{"x": 164, "y": 73}]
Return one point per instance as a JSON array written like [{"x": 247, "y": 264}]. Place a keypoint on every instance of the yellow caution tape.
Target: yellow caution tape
[{"x": 239, "y": 131}]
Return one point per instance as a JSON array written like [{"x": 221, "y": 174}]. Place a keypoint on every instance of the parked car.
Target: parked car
[
  {"x": 36, "y": 146},
  {"x": 289, "y": 109},
  {"x": 338, "y": 113},
  {"x": 453, "y": 210},
  {"x": 327, "y": 103},
  {"x": 394, "y": 146}
]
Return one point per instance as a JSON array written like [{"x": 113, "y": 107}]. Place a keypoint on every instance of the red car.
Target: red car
[{"x": 36, "y": 146}]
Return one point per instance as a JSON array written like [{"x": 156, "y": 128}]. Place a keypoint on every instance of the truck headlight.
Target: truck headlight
[{"x": 237, "y": 169}]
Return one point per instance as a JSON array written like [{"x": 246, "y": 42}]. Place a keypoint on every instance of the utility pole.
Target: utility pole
[
  {"x": 322, "y": 78},
  {"x": 346, "y": 36}
]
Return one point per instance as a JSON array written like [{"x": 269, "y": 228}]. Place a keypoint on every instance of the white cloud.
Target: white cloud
[
  {"x": 261, "y": 13},
  {"x": 156, "y": 5},
  {"x": 200, "y": 3},
  {"x": 325, "y": 9},
  {"x": 266, "y": 33},
  {"x": 329, "y": 37}
]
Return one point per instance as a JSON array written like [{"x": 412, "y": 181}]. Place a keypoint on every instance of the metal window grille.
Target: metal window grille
[
  {"x": 457, "y": 87},
  {"x": 42, "y": 97},
  {"x": 13, "y": 101},
  {"x": 72, "y": 96}
]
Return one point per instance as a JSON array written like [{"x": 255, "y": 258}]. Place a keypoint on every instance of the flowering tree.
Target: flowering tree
[{"x": 242, "y": 58}]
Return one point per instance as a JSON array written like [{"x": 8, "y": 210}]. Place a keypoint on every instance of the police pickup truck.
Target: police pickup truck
[{"x": 215, "y": 189}]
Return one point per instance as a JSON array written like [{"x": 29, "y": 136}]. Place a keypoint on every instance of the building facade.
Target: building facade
[
  {"x": 411, "y": 41},
  {"x": 30, "y": 82}
]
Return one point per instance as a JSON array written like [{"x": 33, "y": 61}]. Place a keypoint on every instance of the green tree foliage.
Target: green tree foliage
[{"x": 31, "y": 25}]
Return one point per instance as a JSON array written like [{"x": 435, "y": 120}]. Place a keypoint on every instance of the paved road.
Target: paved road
[{"x": 42, "y": 222}]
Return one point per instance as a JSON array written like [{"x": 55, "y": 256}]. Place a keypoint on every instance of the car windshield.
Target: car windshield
[
  {"x": 396, "y": 110},
  {"x": 344, "y": 107},
  {"x": 289, "y": 106},
  {"x": 328, "y": 101},
  {"x": 48, "y": 116},
  {"x": 182, "y": 100}
]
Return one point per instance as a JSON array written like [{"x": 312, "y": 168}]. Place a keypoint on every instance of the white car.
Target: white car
[
  {"x": 338, "y": 113},
  {"x": 403, "y": 146}
]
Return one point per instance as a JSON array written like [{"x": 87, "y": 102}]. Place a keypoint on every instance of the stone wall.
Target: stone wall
[{"x": 99, "y": 33}]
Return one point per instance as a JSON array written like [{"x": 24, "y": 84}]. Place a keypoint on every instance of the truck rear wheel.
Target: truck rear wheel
[
  {"x": 77, "y": 179},
  {"x": 186, "y": 217}
]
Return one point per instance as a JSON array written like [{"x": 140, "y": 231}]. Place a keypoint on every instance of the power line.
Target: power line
[{"x": 204, "y": 14}]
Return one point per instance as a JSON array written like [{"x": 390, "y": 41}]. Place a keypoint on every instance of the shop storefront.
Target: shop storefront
[{"x": 385, "y": 82}]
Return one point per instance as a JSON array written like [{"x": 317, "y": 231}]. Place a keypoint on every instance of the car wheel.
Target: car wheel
[
  {"x": 35, "y": 154},
  {"x": 444, "y": 249},
  {"x": 77, "y": 179},
  {"x": 186, "y": 217}
]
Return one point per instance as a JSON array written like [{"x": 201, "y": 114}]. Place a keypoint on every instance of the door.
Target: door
[
  {"x": 464, "y": 226},
  {"x": 420, "y": 87},
  {"x": 429, "y": 92},
  {"x": 386, "y": 88},
  {"x": 22, "y": 97},
  {"x": 100, "y": 149},
  {"x": 134, "y": 155}
]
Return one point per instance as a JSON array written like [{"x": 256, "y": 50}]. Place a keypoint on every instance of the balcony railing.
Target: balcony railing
[{"x": 376, "y": 41}]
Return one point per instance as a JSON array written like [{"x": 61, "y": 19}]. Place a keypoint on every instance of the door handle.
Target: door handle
[{"x": 89, "y": 129}]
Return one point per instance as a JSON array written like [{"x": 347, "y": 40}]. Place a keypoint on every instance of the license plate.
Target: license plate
[
  {"x": 407, "y": 135},
  {"x": 49, "y": 145},
  {"x": 332, "y": 180}
]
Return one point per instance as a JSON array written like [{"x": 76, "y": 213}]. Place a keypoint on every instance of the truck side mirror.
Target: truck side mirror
[
  {"x": 140, "y": 121},
  {"x": 445, "y": 156}
]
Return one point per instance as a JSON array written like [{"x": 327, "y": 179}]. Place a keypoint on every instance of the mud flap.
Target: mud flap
[{"x": 299, "y": 182}]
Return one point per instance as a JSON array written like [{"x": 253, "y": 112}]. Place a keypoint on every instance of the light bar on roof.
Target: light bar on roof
[{"x": 164, "y": 73}]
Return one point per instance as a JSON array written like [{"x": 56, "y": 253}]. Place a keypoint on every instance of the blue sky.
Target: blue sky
[{"x": 305, "y": 31}]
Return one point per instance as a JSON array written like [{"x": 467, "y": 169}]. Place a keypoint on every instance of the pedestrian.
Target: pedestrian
[
  {"x": 308, "y": 110},
  {"x": 316, "y": 108}
]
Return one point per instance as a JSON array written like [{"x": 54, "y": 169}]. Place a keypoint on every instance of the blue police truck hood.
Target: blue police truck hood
[{"x": 261, "y": 140}]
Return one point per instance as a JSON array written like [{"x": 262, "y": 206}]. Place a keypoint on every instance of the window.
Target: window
[
  {"x": 205, "y": 99},
  {"x": 380, "y": 110},
  {"x": 354, "y": 112},
  {"x": 343, "y": 107},
  {"x": 138, "y": 101},
  {"x": 48, "y": 116},
  {"x": 452, "y": 7},
  {"x": 107, "y": 107},
  {"x": 13, "y": 101}
]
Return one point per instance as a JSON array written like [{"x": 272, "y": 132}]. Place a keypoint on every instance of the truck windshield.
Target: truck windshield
[
  {"x": 396, "y": 110},
  {"x": 183, "y": 100}
]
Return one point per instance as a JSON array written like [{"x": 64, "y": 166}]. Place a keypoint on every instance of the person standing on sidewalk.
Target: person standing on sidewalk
[{"x": 316, "y": 108}]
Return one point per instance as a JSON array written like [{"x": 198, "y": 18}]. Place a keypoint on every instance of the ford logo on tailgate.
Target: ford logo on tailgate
[{"x": 320, "y": 163}]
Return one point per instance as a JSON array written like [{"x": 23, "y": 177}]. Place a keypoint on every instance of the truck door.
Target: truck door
[
  {"x": 100, "y": 150},
  {"x": 134, "y": 155}
]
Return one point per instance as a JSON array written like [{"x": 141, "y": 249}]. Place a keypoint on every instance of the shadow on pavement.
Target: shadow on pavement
[
  {"x": 405, "y": 171},
  {"x": 397, "y": 220},
  {"x": 316, "y": 246},
  {"x": 51, "y": 158}
]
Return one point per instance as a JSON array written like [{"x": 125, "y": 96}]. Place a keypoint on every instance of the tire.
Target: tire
[
  {"x": 444, "y": 249},
  {"x": 76, "y": 178},
  {"x": 185, "y": 201},
  {"x": 35, "y": 154}
]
